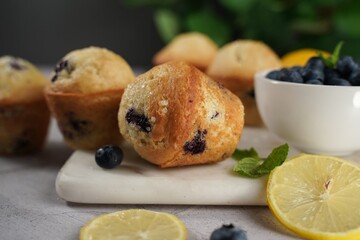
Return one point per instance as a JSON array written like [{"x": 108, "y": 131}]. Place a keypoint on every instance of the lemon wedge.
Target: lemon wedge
[
  {"x": 300, "y": 57},
  {"x": 134, "y": 224},
  {"x": 317, "y": 197}
]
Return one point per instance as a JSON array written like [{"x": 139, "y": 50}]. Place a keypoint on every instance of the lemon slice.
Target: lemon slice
[
  {"x": 317, "y": 197},
  {"x": 134, "y": 224},
  {"x": 300, "y": 57}
]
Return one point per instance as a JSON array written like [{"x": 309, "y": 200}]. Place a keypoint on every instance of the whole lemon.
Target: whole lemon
[{"x": 300, "y": 57}]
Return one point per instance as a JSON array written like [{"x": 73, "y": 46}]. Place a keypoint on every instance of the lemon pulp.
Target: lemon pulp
[
  {"x": 317, "y": 197},
  {"x": 134, "y": 224}
]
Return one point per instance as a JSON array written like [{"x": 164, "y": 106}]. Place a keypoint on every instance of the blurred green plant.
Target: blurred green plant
[{"x": 285, "y": 25}]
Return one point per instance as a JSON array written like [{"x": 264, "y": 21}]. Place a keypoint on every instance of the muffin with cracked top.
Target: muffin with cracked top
[
  {"x": 175, "y": 115},
  {"x": 84, "y": 96},
  {"x": 235, "y": 65},
  {"x": 192, "y": 47},
  {"x": 24, "y": 116}
]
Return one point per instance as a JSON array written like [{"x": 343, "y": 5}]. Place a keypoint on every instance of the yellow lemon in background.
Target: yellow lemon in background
[
  {"x": 134, "y": 224},
  {"x": 317, "y": 196},
  {"x": 300, "y": 57}
]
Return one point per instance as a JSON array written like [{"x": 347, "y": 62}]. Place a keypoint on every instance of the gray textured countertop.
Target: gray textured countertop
[{"x": 31, "y": 209}]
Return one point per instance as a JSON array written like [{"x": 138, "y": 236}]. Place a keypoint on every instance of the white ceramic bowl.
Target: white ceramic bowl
[{"x": 314, "y": 118}]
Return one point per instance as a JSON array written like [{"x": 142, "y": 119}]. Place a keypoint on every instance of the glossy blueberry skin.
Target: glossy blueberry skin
[
  {"x": 228, "y": 232},
  {"x": 108, "y": 156}
]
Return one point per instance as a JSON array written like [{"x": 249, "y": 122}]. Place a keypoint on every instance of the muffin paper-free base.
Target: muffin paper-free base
[
  {"x": 86, "y": 121},
  {"x": 23, "y": 126}
]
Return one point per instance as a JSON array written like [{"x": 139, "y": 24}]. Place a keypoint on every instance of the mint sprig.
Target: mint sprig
[
  {"x": 331, "y": 61},
  {"x": 243, "y": 153},
  {"x": 251, "y": 165}
]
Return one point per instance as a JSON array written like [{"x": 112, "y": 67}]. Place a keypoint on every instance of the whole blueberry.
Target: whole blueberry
[
  {"x": 346, "y": 65},
  {"x": 310, "y": 74},
  {"x": 275, "y": 75},
  {"x": 315, "y": 63},
  {"x": 331, "y": 73},
  {"x": 314, "y": 82},
  {"x": 296, "y": 68},
  {"x": 295, "y": 76},
  {"x": 108, "y": 156},
  {"x": 228, "y": 232},
  {"x": 354, "y": 78},
  {"x": 289, "y": 75},
  {"x": 337, "y": 82}
]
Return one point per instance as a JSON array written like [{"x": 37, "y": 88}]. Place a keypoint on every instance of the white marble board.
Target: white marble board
[{"x": 136, "y": 181}]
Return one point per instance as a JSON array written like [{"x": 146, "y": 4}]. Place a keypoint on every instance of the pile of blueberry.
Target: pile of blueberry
[{"x": 345, "y": 73}]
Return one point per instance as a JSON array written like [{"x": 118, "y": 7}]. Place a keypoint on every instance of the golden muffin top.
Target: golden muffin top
[
  {"x": 20, "y": 81},
  {"x": 192, "y": 47},
  {"x": 237, "y": 62},
  {"x": 91, "y": 70}
]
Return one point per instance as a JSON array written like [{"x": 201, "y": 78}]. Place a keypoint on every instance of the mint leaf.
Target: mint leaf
[
  {"x": 336, "y": 54},
  {"x": 326, "y": 61},
  {"x": 246, "y": 166},
  {"x": 254, "y": 166},
  {"x": 331, "y": 61},
  {"x": 275, "y": 158},
  {"x": 243, "y": 153}
]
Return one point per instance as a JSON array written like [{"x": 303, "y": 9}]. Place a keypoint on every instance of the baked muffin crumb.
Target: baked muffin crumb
[
  {"x": 24, "y": 117},
  {"x": 188, "y": 119},
  {"x": 84, "y": 97}
]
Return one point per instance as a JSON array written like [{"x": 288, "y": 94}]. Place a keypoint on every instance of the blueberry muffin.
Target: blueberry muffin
[
  {"x": 24, "y": 116},
  {"x": 195, "y": 48},
  {"x": 175, "y": 115},
  {"x": 84, "y": 96},
  {"x": 235, "y": 65}
]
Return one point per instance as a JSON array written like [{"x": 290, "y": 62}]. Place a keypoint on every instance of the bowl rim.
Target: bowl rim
[{"x": 261, "y": 75}]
